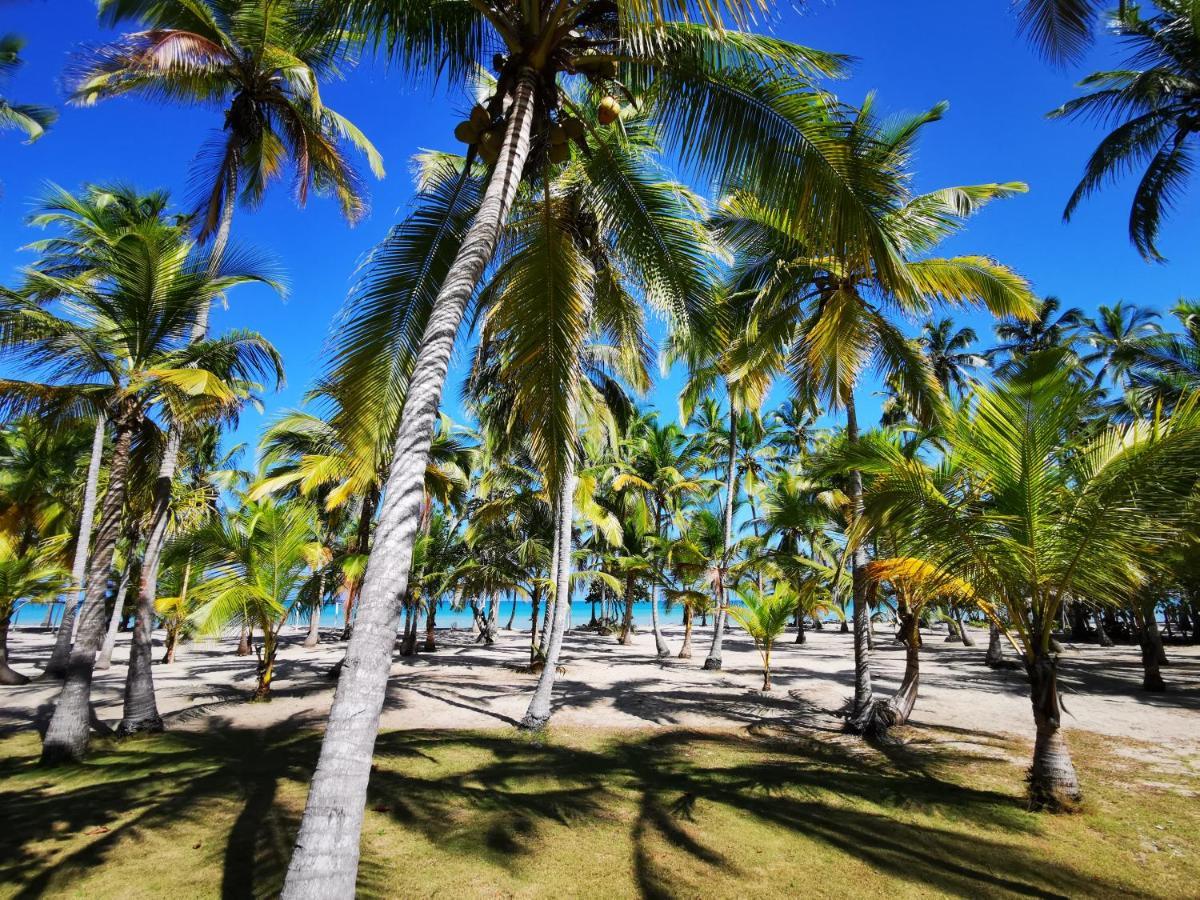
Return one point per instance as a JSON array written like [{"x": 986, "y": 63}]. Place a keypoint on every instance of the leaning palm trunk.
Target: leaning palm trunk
[
  {"x": 1053, "y": 783},
  {"x": 714, "y": 652},
  {"x": 861, "y": 712},
  {"x": 995, "y": 650},
  {"x": 314, "y": 629},
  {"x": 140, "y": 707},
  {"x": 660, "y": 643},
  {"x": 67, "y": 735},
  {"x": 897, "y": 708},
  {"x": 104, "y": 660},
  {"x": 538, "y": 714},
  {"x": 57, "y": 666},
  {"x": 685, "y": 650},
  {"x": 325, "y": 860},
  {"x": 9, "y": 676}
]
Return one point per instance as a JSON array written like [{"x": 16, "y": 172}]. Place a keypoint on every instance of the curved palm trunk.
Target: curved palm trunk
[
  {"x": 898, "y": 707},
  {"x": 1102, "y": 637},
  {"x": 860, "y": 714},
  {"x": 104, "y": 660},
  {"x": 325, "y": 860},
  {"x": 266, "y": 664},
  {"x": 314, "y": 628},
  {"x": 661, "y": 650},
  {"x": 8, "y": 675},
  {"x": 57, "y": 666},
  {"x": 538, "y": 714},
  {"x": 685, "y": 651},
  {"x": 67, "y": 735},
  {"x": 140, "y": 712},
  {"x": 713, "y": 661},
  {"x": 1053, "y": 783}
]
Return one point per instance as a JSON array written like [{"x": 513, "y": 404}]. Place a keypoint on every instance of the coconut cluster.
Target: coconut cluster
[{"x": 487, "y": 134}]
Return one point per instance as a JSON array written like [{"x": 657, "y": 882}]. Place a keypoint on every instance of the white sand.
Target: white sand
[{"x": 468, "y": 685}]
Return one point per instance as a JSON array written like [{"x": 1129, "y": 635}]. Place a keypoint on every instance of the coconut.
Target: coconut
[
  {"x": 559, "y": 153},
  {"x": 490, "y": 141},
  {"x": 608, "y": 111},
  {"x": 573, "y": 128},
  {"x": 466, "y": 132},
  {"x": 558, "y": 135},
  {"x": 480, "y": 118}
]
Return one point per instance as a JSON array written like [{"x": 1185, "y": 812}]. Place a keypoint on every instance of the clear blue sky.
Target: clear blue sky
[{"x": 912, "y": 54}]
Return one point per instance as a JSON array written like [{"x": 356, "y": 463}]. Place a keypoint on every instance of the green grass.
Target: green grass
[{"x": 594, "y": 814}]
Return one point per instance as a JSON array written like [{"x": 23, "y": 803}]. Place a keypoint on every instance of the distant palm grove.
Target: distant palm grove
[{"x": 640, "y": 187}]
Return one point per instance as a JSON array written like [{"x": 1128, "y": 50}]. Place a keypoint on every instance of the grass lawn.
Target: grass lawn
[{"x": 596, "y": 814}]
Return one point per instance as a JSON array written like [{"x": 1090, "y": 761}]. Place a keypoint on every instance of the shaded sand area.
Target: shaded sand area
[{"x": 468, "y": 685}]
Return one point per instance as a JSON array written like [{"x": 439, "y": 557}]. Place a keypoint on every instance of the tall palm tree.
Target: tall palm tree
[
  {"x": 1028, "y": 514},
  {"x": 122, "y": 341},
  {"x": 731, "y": 101},
  {"x": 1166, "y": 367},
  {"x": 262, "y": 62},
  {"x": 1047, "y": 329},
  {"x": 27, "y": 117},
  {"x": 1154, "y": 105},
  {"x": 828, "y": 309},
  {"x": 949, "y": 357},
  {"x": 1114, "y": 336}
]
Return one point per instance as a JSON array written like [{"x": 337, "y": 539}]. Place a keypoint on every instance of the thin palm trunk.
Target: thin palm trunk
[
  {"x": 512, "y": 614},
  {"x": 627, "y": 620},
  {"x": 430, "y": 627},
  {"x": 536, "y": 602},
  {"x": 67, "y": 735},
  {"x": 685, "y": 651},
  {"x": 660, "y": 644},
  {"x": 243, "y": 647},
  {"x": 140, "y": 707},
  {"x": 57, "y": 666},
  {"x": 995, "y": 650},
  {"x": 538, "y": 714},
  {"x": 104, "y": 660},
  {"x": 713, "y": 661},
  {"x": 863, "y": 696},
  {"x": 324, "y": 863},
  {"x": 362, "y": 544},
  {"x": 1102, "y": 637}
]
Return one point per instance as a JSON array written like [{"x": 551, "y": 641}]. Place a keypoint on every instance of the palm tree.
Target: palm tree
[
  {"x": 730, "y": 101},
  {"x": 1045, "y": 330},
  {"x": 33, "y": 576},
  {"x": 1153, "y": 104},
  {"x": 1060, "y": 517},
  {"x": 1061, "y": 29},
  {"x": 260, "y": 564},
  {"x": 26, "y": 117},
  {"x": 122, "y": 342},
  {"x": 765, "y": 616},
  {"x": 660, "y": 468},
  {"x": 1115, "y": 335},
  {"x": 1165, "y": 368},
  {"x": 947, "y": 349},
  {"x": 262, "y": 62},
  {"x": 831, "y": 305}
]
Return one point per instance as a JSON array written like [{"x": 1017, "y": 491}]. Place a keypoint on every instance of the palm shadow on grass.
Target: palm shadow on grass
[{"x": 499, "y": 797}]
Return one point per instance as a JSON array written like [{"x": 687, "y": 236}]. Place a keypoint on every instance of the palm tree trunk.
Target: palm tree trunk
[
  {"x": 243, "y": 648},
  {"x": 627, "y": 620},
  {"x": 538, "y": 714},
  {"x": 104, "y": 660},
  {"x": 325, "y": 860},
  {"x": 995, "y": 650},
  {"x": 900, "y": 706},
  {"x": 314, "y": 628},
  {"x": 1053, "y": 783},
  {"x": 863, "y": 695},
  {"x": 512, "y": 615},
  {"x": 8, "y": 675},
  {"x": 713, "y": 661},
  {"x": 967, "y": 640},
  {"x": 57, "y": 666},
  {"x": 685, "y": 651},
  {"x": 1102, "y": 637},
  {"x": 430, "y": 627},
  {"x": 67, "y": 735},
  {"x": 140, "y": 707},
  {"x": 536, "y": 602},
  {"x": 660, "y": 643},
  {"x": 266, "y": 665},
  {"x": 801, "y": 638}
]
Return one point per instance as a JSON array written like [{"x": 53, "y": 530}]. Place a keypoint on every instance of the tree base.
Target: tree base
[
  {"x": 152, "y": 725},
  {"x": 533, "y": 723},
  {"x": 873, "y": 721},
  {"x": 712, "y": 664},
  {"x": 11, "y": 677}
]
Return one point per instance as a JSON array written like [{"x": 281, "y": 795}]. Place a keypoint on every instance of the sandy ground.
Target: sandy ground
[{"x": 468, "y": 685}]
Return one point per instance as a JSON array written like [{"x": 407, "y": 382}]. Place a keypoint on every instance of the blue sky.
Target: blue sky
[{"x": 912, "y": 54}]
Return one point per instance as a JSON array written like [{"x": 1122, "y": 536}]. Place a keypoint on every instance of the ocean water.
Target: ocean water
[{"x": 32, "y": 615}]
